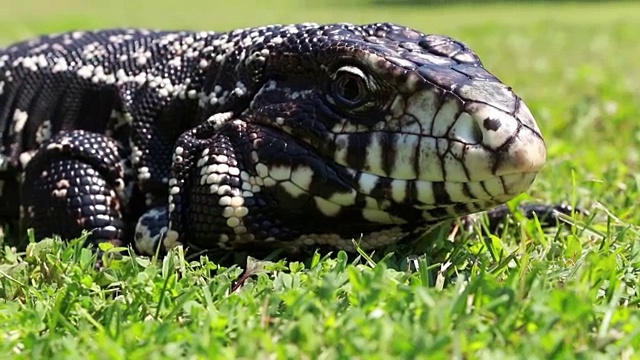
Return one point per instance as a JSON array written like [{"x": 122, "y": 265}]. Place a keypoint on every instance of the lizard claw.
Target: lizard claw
[{"x": 548, "y": 215}]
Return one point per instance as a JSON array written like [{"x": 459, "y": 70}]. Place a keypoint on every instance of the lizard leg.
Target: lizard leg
[
  {"x": 549, "y": 215},
  {"x": 75, "y": 182}
]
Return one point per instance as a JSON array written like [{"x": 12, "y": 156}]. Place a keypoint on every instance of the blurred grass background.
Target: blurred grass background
[{"x": 23, "y": 18}]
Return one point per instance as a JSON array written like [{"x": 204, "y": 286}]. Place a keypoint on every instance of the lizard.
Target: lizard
[{"x": 269, "y": 137}]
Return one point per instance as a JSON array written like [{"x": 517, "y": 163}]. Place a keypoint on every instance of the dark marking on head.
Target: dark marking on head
[
  {"x": 441, "y": 194},
  {"x": 491, "y": 124},
  {"x": 382, "y": 189},
  {"x": 356, "y": 150},
  {"x": 412, "y": 192},
  {"x": 387, "y": 143},
  {"x": 466, "y": 190}
]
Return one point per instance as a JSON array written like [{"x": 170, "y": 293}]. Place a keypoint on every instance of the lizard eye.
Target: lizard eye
[{"x": 350, "y": 86}]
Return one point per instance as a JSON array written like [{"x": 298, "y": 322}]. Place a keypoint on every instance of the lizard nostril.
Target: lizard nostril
[{"x": 477, "y": 132}]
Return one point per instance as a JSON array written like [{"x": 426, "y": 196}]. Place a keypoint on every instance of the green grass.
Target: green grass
[{"x": 570, "y": 293}]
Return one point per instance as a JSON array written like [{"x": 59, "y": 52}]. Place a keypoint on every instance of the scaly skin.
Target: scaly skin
[{"x": 270, "y": 137}]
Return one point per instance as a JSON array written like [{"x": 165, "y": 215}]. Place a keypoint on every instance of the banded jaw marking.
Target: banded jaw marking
[{"x": 441, "y": 152}]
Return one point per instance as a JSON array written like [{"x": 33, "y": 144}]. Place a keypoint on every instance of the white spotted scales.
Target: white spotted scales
[{"x": 281, "y": 136}]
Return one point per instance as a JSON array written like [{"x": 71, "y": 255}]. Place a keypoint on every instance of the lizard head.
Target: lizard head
[{"x": 373, "y": 131}]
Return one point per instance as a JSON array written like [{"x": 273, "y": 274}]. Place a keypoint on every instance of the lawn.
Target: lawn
[{"x": 564, "y": 293}]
